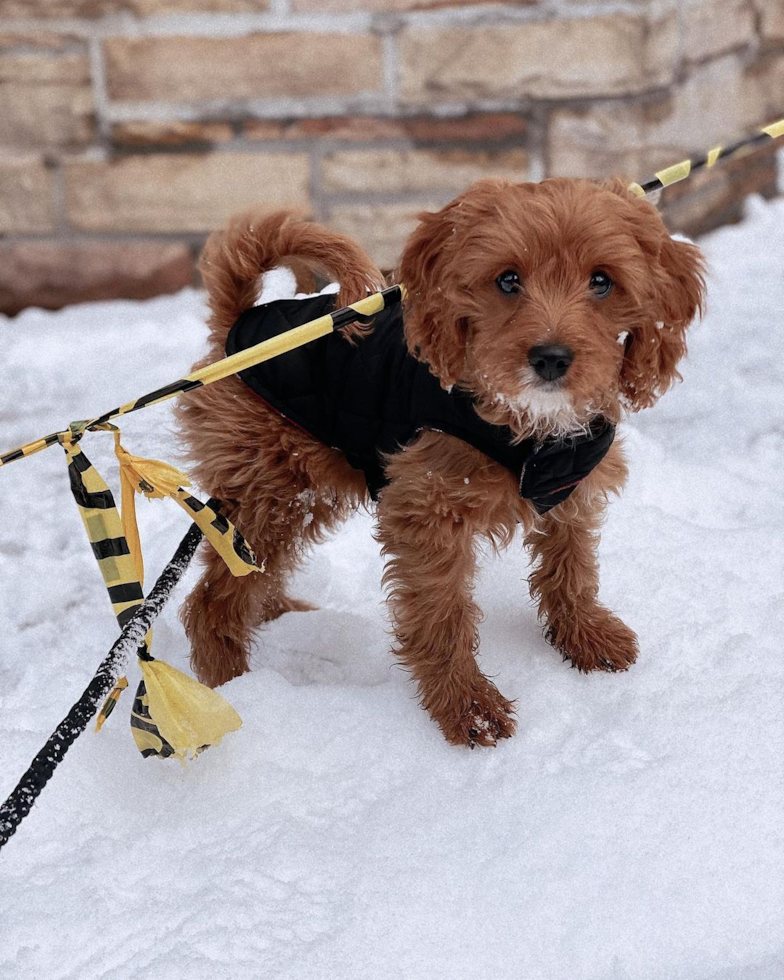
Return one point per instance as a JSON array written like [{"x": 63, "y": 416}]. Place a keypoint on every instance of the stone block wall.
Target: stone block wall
[{"x": 130, "y": 128}]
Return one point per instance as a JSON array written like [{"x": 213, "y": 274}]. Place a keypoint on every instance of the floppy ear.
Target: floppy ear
[
  {"x": 674, "y": 292},
  {"x": 435, "y": 332}
]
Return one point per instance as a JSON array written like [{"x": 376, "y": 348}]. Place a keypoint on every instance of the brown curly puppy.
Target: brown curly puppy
[{"x": 552, "y": 304}]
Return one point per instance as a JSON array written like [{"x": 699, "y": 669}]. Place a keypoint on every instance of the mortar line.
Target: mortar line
[{"x": 101, "y": 100}]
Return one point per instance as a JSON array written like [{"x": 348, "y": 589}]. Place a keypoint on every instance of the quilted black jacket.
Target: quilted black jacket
[{"x": 370, "y": 398}]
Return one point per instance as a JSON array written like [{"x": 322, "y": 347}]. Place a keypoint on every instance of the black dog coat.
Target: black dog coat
[{"x": 371, "y": 398}]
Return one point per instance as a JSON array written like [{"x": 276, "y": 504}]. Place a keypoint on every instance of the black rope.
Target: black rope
[{"x": 29, "y": 787}]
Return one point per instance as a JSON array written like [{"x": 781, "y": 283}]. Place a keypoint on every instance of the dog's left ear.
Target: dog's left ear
[{"x": 673, "y": 294}]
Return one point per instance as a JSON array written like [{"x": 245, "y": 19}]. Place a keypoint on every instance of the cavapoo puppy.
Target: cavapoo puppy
[{"x": 535, "y": 316}]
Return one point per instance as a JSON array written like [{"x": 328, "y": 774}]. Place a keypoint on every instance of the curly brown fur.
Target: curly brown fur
[
  {"x": 283, "y": 488},
  {"x": 444, "y": 495}
]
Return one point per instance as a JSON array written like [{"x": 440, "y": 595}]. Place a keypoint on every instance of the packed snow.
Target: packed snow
[{"x": 633, "y": 828}]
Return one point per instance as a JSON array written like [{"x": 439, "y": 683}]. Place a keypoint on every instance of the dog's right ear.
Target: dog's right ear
[{"x": 435, "y": 332}]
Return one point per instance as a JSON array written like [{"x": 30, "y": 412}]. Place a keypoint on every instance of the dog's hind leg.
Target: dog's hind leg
[
  {"x": 222, "y": 613},
  {"x": 282, "y": 490},
  {"x": 218, "y": 616}
]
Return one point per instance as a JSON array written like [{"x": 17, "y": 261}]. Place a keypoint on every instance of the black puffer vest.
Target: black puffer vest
[{"x": 370, "y": 398}]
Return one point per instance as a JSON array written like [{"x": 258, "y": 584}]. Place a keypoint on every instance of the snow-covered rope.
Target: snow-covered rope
[{"x": 29, "y": 787}]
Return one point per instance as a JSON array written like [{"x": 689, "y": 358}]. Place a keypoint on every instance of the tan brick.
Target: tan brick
[
  {"x": 385, "y": 6},
  {"x": 141, "y": 8},
  {"x": 602, "y": 141},
  {"x": 382, "y": 229},
  {"x": 713, "y": 106},
  {"x": 709, "y": 29},
  {"x": 485, "y": 127},
  {"x": 254, "y": 66},
  {"x": 771, "y": 20},
  {"x": 473, "y": 127},
  {"x": 270, "y": 129},
  {"x": 45, "y": 99},
  {"x": 148, "y": 8},
  {"x": 53, "y": 275},
  {"x": 53, "y": 8},
  {"x": 333, "y": 127},
  {"x": 25, "y": 196},
  {"x": 418, "y": 170},
  {"x": 20, "y": 41},
  {"x": 171, "y": 133},
  {"x": 180, "y": 192},
  {"x": 549, "y": 59},
  {"x": 763, "y": 85},
  {"x": 44, "y": 68}
]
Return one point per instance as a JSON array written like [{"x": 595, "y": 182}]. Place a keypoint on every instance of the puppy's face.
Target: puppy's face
[{"x": 551, "y": 302}]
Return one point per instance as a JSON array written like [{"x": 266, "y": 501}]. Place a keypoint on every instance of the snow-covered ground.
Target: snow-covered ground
[{"x": 633, "y": 828}]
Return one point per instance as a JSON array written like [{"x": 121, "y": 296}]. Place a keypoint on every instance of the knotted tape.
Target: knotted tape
[{"x": 173, "y": 714}]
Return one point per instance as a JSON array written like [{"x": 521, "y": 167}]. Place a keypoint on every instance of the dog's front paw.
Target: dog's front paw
[
  {"x": 593, "y": 639},
  {"x": 479, "y": 716}
]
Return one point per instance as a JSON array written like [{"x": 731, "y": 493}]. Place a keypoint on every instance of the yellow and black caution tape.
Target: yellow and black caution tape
[
  {"x": 104, "y": 531},
  {"x": 361, "y": 310},
  {"x": 175, "y": 715},
  {"x": 110, "y": 703},
  {"x": 680, "y": 171},
  {"x": 183, "y": 717},
  {"x": 156, "y": 480}
]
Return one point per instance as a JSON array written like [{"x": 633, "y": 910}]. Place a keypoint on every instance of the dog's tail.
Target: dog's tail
[{"x": 234, "y": 260}]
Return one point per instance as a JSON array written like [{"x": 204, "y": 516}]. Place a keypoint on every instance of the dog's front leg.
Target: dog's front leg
[
  {"x": 428, "y": 520},
  {"x": 565, "y": 581}
]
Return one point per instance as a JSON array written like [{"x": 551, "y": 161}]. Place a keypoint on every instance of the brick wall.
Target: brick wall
[{"x": 130, "y": 128}]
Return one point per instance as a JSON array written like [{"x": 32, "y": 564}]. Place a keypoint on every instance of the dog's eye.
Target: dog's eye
[
  {"x": 508, "y": 282},
  {"x": 600, "y": 284}
]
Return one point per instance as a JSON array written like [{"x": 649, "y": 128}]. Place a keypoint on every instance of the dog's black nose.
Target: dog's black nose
[{"x": 550, "y": 361}]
